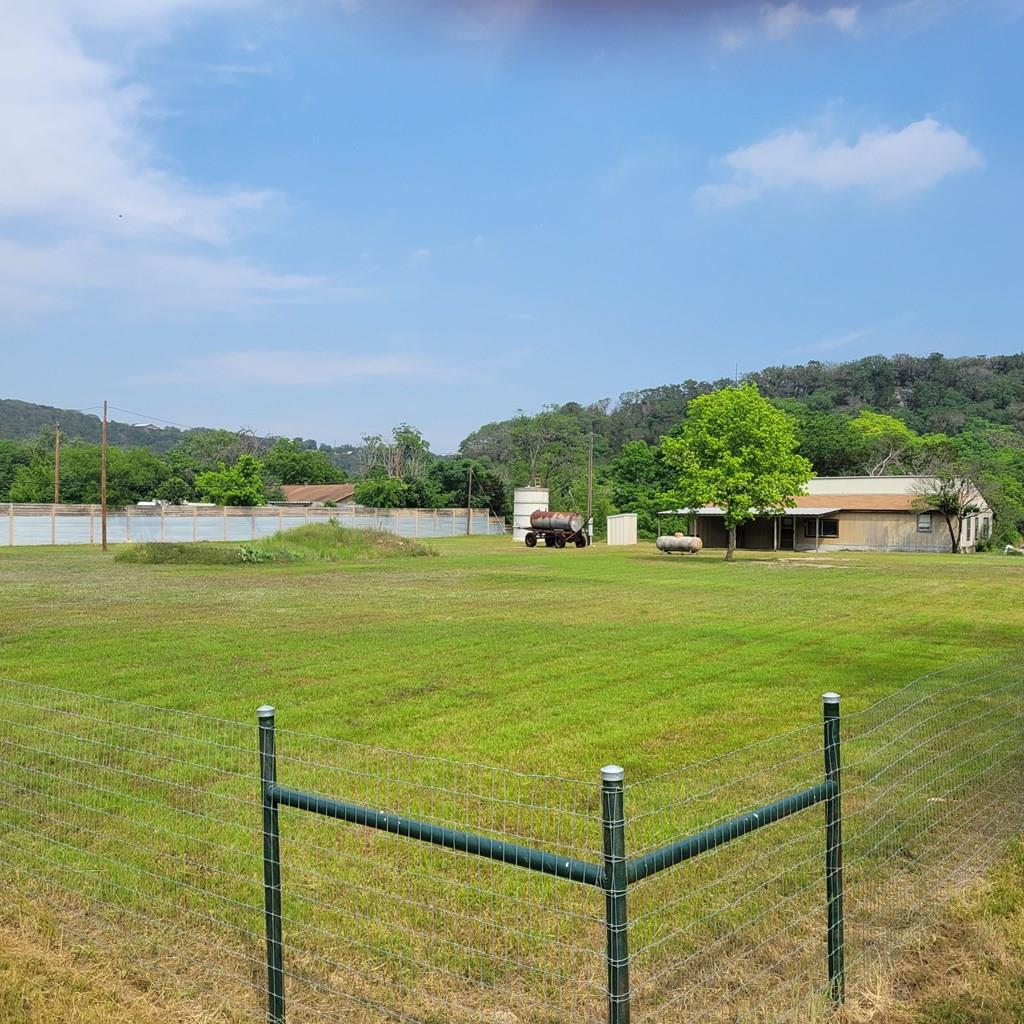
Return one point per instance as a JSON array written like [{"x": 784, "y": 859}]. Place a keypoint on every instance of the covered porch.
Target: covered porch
[{"x": 793, "y": 529}]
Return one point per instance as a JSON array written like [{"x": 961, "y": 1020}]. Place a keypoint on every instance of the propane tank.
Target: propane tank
[
  {"x": 571, "y": 521},
  {"x": 687, "y": 545}
]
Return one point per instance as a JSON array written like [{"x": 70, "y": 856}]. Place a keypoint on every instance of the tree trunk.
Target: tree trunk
[
  {"x": 730, "y": 551},
  {"x": 954, "y": 535}
]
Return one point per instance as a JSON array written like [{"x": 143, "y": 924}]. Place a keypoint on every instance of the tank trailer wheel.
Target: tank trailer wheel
[
  {"x": 581, "y": 541},
  {"x": 531, "y": 540},
  {"x": 559, "y": 542}
]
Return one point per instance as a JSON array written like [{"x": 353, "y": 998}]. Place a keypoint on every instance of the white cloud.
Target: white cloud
[
  {"x": 885, "y": 164},
  {"x": 780, "y": 21},
  {"x": 86, "y": 200},
  {"x": 75, "y": 151}
]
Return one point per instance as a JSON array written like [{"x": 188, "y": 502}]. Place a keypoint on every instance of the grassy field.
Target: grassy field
[
  {"x": 538, "y": 661},
  {"x": 535, "y": 660}
]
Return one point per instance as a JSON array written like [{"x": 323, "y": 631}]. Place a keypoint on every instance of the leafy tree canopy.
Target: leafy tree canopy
[{"x": 737, "y": 451}]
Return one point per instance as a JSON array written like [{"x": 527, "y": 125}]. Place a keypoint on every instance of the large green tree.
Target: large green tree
[
  {"x": 292, "y": 462},
  {"x": 240, "y": 484},
  {"x": 737, "y": 451}
]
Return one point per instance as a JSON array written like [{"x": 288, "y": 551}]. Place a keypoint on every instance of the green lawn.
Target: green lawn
[
  {"x": 536, "y": 660},
  {"x": 542, "y": 661}
]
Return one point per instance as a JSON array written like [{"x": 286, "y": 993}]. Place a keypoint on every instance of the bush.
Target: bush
[{"x": 317, "y": 542}]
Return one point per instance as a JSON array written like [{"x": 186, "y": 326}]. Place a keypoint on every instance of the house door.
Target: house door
[{"x": 787, "y": 533}]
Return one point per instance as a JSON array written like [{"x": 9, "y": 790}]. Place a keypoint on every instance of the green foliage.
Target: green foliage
[
  {"x": 638, "y": 479},
  {"x": 240, "y": 484},
  {"x": 291, "y": 462},
  {"x": 738, "y": 451},
  {"x": 382, "y": 492},
  {"x": 201, "y": 553},
  {"x": 317, "y": 542}
]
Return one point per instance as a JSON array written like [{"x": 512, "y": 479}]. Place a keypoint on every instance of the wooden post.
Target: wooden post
[
  {"x": 469, "y": 504},
  {"x": 56, "y": 466},
  {"x": 128, "y": 522},
  {"x": 92, "y": 517},
  {"x": 161, "y": 524},
  {"x": 10, "y": 525},
  {"x": 195, "y": 514},
  {"x": 103, "y": 480},
  {"x": 254, "y": 524},
  {"x": 280, "y": 520},
  {"x": 53, "y": 524},
  {"x": 225, "y": 522},
  {"x": 775, "y": 533},
  {"x": 817, "y": 532}
]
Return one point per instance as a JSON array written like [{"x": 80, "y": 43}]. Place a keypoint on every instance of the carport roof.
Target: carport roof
[{"x": 714, "y": 510}]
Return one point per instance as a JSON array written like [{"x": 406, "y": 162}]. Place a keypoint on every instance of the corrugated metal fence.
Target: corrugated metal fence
[{"x": 80, "y": 524}]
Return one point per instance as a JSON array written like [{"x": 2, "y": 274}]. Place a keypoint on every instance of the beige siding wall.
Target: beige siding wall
[
  {"x": 858, "y": 531},
  {"x": 882, "y": 531}
]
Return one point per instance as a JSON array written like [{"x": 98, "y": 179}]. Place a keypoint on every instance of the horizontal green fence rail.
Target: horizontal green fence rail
[
  {"x": 437, "y": 835},
  {"x": 614, "y": 876},
  {"x": 675, "y": 853}
]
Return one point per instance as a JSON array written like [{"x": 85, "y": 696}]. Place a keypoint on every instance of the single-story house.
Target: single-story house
[
  {"x": 847, "y": 513},
  {"x": 313, "y": 495}
]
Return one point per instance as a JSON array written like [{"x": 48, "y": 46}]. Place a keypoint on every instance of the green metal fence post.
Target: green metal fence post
[
  {"x": 834, "y": 851},
  {"x": 613, "y": 825},
  {"x": 271, "y": 867}
]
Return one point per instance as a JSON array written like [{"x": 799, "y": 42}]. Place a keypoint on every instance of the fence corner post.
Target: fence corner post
[
  {"x": 613, "y": 827},
  {"x": 834, "y": 851},
  {"x": 271, "y": 866}
]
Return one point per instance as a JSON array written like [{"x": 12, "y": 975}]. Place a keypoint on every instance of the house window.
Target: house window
[
  {"x": 969, "y": 521},
  {"x": 828, "y": 528},
  {"x": 986, "y": 527},
  {"x": 924, "y": 522}
]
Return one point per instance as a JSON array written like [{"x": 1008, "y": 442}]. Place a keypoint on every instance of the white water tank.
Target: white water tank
[{"x": 526, "y": 501}]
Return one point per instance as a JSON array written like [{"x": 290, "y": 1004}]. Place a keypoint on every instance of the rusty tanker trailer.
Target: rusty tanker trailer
[{"x": 556, "y": 529}]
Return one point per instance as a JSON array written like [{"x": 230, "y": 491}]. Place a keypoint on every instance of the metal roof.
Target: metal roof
[{"x": 714, "y": 510}]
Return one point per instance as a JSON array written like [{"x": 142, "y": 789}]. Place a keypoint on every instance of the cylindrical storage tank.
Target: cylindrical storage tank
[
  {"x": 622, "y": 528},
  {"x": 541, "y": 519},
  {"x": 526, "y": 501},
  {"x": 685, "y": 545}
]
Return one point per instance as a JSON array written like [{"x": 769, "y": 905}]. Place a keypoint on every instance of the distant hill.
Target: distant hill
[{"x": 22, "y": 421}]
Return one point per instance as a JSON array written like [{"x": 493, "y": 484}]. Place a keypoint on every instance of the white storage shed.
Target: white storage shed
[{"x": 622, "y": 529}]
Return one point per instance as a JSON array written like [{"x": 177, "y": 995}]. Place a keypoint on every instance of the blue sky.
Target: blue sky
[{"x": 322, "y": 218}]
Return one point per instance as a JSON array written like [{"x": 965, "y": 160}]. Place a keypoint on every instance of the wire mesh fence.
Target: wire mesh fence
[{"x": 138, "y": 833}]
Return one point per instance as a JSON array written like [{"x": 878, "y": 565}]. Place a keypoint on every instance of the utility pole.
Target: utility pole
[
  {"x": 56, "y": 466},
  {"x": 590, "y": 489},
  {"x": 103, "y": 480},
  {"x": 469, "y": 502}
]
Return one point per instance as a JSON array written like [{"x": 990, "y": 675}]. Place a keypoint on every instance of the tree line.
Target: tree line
[
  {"x": 880, "y": 415},
  {"x": 874, "y": 416},
  {"x": 237, "y": 468}
]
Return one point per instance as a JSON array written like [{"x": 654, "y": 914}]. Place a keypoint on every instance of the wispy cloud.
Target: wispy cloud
[
  {"x": 835, "y": 343},
  {"x": 780, "y": 21},
  {"x": 143, "y": 280},
  {"x": 886, "y": 164},
  {"x": 301, "y": 368}
]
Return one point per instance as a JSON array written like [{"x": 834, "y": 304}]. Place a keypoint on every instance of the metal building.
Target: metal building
[{"x": 622, "y": 529}]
